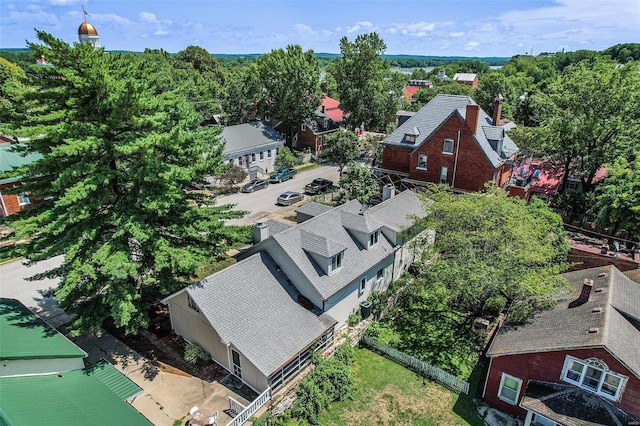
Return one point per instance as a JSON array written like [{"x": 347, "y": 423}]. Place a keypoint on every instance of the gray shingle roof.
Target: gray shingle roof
[
  {"x": 356, "y": 261},
  {"x": 275, "y": 226},
  {"x": 320, "y": 245},
  {"x": 252, "y": 305},
  {"x": 435, "y": 113},
  {"x": 249, "y": 137},
  {"x": 398, "y": 212},
  {"x": 564, "y": 328},
  {"x": 464, "y": 76},
  {"x": 360, "y": 222},
  {"x": 313, "y": 208}
]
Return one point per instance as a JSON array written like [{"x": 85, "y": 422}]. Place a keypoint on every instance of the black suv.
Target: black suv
[{"x": 318, "y": 186}]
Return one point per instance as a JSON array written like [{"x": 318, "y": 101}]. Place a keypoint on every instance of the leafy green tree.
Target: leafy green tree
[
  {"x": 624, "y": 52},
  {"x": 364, "y": 85},
  {"x": 588, "y": 118},
  {"x": 119, "y": 151},
  {"x": 341, "y": 148},
  {"x": 424, "y": 96},
  {"x": 617, "y": 198},
  {"x": 241, "y": 93},
  {"x": 285, "y": 158},
  {"x": 11, "y": 80},
  {"x": 290, "y": 85},
  {"x": 358, "y": 183},
  {"x": 203, "y": 77},
  {"x": 233, "y": 176},
  {"x": 511, "y": 88}
]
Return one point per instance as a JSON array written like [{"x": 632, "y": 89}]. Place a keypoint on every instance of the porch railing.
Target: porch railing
[{"x": 249, "y": 410}]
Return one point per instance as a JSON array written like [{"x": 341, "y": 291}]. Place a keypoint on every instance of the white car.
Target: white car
[{"x": 289, "y": 197}]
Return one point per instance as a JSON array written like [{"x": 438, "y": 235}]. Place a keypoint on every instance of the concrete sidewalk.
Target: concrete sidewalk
[{"x": 166, "y": 397}]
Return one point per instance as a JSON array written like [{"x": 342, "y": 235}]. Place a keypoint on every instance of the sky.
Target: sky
[{"x": 429, "y": 27}]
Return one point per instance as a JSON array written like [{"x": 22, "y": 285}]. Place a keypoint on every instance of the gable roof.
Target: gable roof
[
  {"x": 10, "y": 159},
  {"x": 249, "y": 137},
  {"x": 276, "y": 226},
  {"x": 430, "y": 117},
  {"x": 23, "y": 335},
  {"x": 312, "y": 208},
  {"x": 333, "y": 225},
  {"x": 566, "y": 328},
  {"x": 332, "y": 108},
  {"x": 252, "y": 306},
  {"x": 92, "y": 396},
  {"x": 464, "y": 76}
]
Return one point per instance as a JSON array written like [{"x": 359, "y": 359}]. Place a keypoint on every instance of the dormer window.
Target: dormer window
[
  {"x": 410, "y": 139},
  {"x": 336, "y": 261},
  {"x": 373, "y": 238},
  {"x": 411, "y": 136}
]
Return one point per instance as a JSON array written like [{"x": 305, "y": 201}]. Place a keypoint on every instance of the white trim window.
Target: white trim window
[
  {"x": 262, "y": 155},
  {"x": 509, "y": 388},
  {"x": 269, "y": 153},
  {"x": 380, "y": 274},
  {"x": 336, "y": 261},
  {"x": 444, "y": 171},
  {"x": 593, "y": 375},
  {"x": 539, "y": 420},
  {"x": 374, "y": 237},
  {"x": 303, "y": 127},
  {"x": 447, "y": 146},
  {"x": 23, "y": 200},
  {"x": 422, "y": 162},
  {"x": 363, "y": 284}
]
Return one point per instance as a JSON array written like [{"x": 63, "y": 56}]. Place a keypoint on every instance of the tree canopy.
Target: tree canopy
[
  {"x": 341, "y": 147},
  {"x": 290, "y": 85},
  {"x": 120, "y": 146},
  {"x": 358, "y": 183},
  {"x": 364, "y": 85}
]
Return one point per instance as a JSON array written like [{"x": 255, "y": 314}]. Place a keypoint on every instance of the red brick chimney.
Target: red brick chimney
[
  {"x": 472, "y": 115},
  {"x": 584, "y": 294},
  {"x": 497, "y": 109}
]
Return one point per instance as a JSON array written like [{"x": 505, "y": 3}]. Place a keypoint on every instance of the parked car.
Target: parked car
[
  {"x": 282, "y": 175},
  {"x": 289, "y": 197},
  {"x": 318, "y": 186},
  {"x": 254, "y": 185}
]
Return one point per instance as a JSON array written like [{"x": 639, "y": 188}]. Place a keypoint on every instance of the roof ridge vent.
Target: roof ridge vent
[
  {"x": 602, "y": 274},
  {"x": 594, "y": 330},
  {"x": 596, "y": 310}
]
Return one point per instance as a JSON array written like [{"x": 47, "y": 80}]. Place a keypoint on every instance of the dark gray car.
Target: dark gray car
[{"x": 254, "y": 185}]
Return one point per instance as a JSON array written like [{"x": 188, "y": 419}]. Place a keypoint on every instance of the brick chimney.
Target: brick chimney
[
  {"x": 497, "y": 109},
  {"x": 472, "y": 115},
  {"x": 584, "y": 294}
]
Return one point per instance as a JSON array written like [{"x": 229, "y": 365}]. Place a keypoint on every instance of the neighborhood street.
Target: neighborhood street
[{"x": 262, "y": 203}]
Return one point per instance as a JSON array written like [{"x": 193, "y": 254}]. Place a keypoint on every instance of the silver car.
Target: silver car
[{"x": 289, "y": 197}]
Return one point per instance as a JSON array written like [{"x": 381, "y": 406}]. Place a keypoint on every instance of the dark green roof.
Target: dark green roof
[
  {"x": 78, "y": 397},
  {"x": 10, "y": 159},
  {"x": 23, "y": 335}
]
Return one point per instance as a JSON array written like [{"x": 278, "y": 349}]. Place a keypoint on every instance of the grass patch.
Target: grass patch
[
  {"x": 387, "y": 394},
  {"x": 212, "y": 267},
  {"x": 306, "y": 166}
]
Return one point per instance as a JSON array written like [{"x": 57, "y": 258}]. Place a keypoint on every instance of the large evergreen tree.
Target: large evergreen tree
[{"x": 120, "y": 146}]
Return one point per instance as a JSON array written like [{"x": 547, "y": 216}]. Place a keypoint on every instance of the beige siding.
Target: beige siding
[
  {"x": 250, "y": 374},
  {"x": 195, "y": 328}
]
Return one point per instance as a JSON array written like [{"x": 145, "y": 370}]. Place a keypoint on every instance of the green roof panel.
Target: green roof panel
[
  {"x": 79, "y": 397},
  {"x": 23, "y": 335}
]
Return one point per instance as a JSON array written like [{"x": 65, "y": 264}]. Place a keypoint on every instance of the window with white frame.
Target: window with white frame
[
  {"x": 444, "y": 171},
  {"x": 304, "y": 127},
  {"x": 320, "y": 140},
  {"x": 253, "y": 157},
  {"x": 363, "y": 284},
  {"x": 262, "y": 155},
  {"x": 422, "y": 162},
  {"x": 538, "y": 420},
  {"x": 268, "y": 153},
  {"x": 239, "y": 161},
  {"x": 447, "y": 146},
  {"x": 593, "y": 374},
  {"x": 374, "y": 237},
  {"x": 380, "y": 274},
  {"x": 336, "y": 261},
  {"x": 509, "y": 388},
  {"x": 23, "y": 200}
]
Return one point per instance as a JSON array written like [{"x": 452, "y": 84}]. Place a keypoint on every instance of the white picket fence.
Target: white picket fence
[
  {"x": 250, "y": 409},
  {"x": 446, "y": 379}
]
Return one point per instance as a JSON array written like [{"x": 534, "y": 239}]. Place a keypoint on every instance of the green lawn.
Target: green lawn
[{"x": 388, "y": 394}]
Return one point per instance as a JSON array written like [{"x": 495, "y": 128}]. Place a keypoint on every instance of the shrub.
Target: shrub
[
  {"x": 495, "y": 304},
  {"x": 195, "y": 353},
  {"x": 353, "y": 320},
  {"x": 373, "y": 330},
  {"x": 345, "y": 354},
  {"x": 310, "y": 401}
]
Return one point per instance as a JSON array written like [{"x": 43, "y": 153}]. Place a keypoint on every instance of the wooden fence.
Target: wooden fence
[{"x": 421, "y": 367}]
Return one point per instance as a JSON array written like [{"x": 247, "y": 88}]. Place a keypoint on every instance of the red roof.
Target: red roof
[
  {"x": 409, "y": 91},
  {"x": 331, "y": 108},
  {"x": 545, "y": 178}
]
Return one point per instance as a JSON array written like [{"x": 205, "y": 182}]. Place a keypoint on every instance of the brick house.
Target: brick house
[
  {"x": 311, "y": 134},
  {"x": 451, "y": 140},
  {"x": 468, "y": 79},
  {"x": 576, "y": 364},
  {"x": 10, "y": 160}
]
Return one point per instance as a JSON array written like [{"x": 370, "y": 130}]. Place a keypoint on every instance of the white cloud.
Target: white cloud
[
  {"x": 151, "y": 18},
  {"x": 161, "y": 32},
  {"x": 109, "y": 18},
  {"x": 359, "y": 26},
  {"x": 472, "y": 45},
  {"x": 459, "y": 34},
  {"x": 414, "y": 29},
  {"x": 63, "y": 2},
  {"x": 303, "y": 29}
]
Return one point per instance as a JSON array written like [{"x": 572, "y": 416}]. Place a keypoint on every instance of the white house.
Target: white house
[
  {"x": 252, "y": 145},
  {"x": 291, "y": 290}
]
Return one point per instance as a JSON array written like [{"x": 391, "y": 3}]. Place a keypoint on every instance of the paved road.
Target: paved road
[{"x": 262, "y": 204}]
